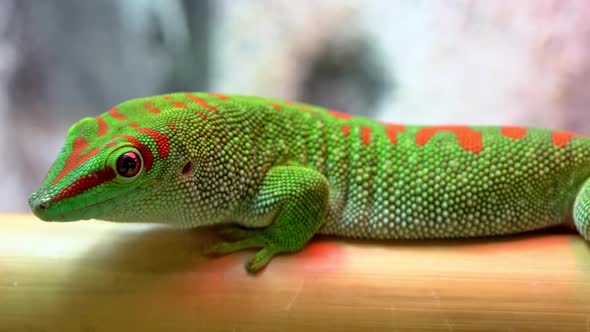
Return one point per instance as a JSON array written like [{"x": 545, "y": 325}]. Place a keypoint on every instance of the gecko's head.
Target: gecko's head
[{"x": 106, "y": 169}]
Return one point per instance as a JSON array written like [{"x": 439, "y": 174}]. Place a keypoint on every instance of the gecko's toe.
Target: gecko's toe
[
  {"x": 217, "y": 249},
  {"x": 235, "y": 232},
  {"x": 260, "y": 259},
  {"x": 222, "y": 248}
]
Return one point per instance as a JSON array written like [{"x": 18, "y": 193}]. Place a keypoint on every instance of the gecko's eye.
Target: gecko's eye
[{"x": 128, "y": 164}]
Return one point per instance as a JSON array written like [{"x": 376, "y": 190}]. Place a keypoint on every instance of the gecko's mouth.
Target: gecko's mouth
[{"x": 44, "y": 211}]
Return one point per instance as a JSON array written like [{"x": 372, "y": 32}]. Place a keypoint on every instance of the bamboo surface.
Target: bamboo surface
[{"x": 98, "y": 276}]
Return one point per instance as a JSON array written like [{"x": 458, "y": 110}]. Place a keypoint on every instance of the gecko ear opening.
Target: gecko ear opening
[
  {"x": 127, "y": 163},
  {"x": 187, "y": 168}
]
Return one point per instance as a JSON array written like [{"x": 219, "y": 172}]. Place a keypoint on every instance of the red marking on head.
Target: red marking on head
[
  {"x": 115, "y": 114},
  {"x": 345, "y": 130},
  {"x": 202, "y": 115},
  {"x": 161, "y": 140},
  {"x": 219, "y": 95},
  {"x": 76, "y": 158},
  {"x": 167, "y": 98},
  {"x": 339, "y": 115},
  {"x": 514, "y": 132},
  {"x": 155, "y": 110},
  {"x": 102, "y": 126},
  {"x": 469, "y": 139},
  {"x": 172, "y": 126},
  {"x": 84, "y": 183},
  {"x": 563, "y": 138},
  {"x": 202, "y": 103},
  {"x": 179, "y": 105},
  {"x": 111, "y": 144},
  {"x": 134, "y": 124},
  {"x": 366, "y": 135},
  {"x": 146, "y": 153},
  {"x": 392, "y": 130},
  {"x": 276, "y": 106},
  {"x": 149, "y": 104}
]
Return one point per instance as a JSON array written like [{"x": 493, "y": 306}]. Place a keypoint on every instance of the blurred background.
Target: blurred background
[{"x": 457, "y": 61}]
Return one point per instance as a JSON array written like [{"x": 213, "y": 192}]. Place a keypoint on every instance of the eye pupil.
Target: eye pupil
[{"x": 128, "y": 164}]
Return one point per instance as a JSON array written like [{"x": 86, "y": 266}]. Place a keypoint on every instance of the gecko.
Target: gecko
[{"x": 272, "y": 174}]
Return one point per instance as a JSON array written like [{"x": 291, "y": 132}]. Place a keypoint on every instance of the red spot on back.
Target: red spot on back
[
  {"x": 102, "y": 126},
  {"x": 146, "y": 153},
  {"x": 563, "y": 138},
  {"x": 392, "y": 130},
  {"x": 345, "y": 130},
  {"x": 219, "y": 95},
  {"x": 202, "y": 103},
  {"x": 167, "y": 98},
  {"x": 76, "y": 158},
  {"x": 84, "y": 183},
  {"x": 366, "y": 135},
  {"x": 161, "y": 140},
  {"x": 179, "y": 105},
  {"x": 514, "y": 132},
  {"x": 339, "y": 115},
  {"x": 469, "y": 139},
  {"x": 115, "y": 114},
  {"x": 150, "y": 106},
  {"x": 276, "y": 106},
  {"x": 134, "y": 124}
]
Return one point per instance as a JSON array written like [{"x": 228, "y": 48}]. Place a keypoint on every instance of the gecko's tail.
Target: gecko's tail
[{"x": 581, "y": 217}]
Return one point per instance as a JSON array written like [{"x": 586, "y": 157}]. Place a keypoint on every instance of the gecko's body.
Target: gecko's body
[{"x": 286, "y": 171}]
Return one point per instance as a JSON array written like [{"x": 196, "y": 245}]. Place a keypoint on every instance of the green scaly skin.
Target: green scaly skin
[{"x": 283, "y": 172}]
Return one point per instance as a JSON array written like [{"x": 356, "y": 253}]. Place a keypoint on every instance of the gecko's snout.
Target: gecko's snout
[
  {"x": 45, "y": 207},
  {"x": 39, "y": 205}
]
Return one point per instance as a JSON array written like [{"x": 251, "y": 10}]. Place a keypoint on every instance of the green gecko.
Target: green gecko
[{"x": 276, "y": 173}]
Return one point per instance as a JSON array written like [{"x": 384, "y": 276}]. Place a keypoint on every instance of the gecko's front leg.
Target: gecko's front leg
[{"x": 298, "y": 196}]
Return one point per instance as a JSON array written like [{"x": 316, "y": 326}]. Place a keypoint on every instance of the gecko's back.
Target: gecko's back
[{"x": 397, "y": 182}]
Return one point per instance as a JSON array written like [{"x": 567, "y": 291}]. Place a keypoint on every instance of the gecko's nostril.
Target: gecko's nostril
[{"x": 42, "y": 206}]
